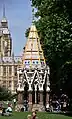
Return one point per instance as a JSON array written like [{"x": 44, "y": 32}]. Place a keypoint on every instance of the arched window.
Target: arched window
[{"x": 4, "y": 70}]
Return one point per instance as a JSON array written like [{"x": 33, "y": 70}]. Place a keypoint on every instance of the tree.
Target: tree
[
  {"x": 5, "y": 94},
  {"x": 55, "y": 30},
  {"x": 27, "y": 32}
]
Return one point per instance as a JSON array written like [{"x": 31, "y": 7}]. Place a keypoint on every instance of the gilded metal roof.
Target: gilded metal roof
[{"x": 33, "y": 53}]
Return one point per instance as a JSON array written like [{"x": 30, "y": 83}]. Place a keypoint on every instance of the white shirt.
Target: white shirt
[
  {"x": 9, "y": 109},
  {"x": 47, "y": 106},
  {"x": 14, "y": 100}
]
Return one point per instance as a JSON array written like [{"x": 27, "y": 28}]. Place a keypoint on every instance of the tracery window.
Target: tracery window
[
  {"x": 15, "y": 83},
  {"x": 0, "y": 70},
  {"x": 0, "y": 45},
  {"x": 10, "y": 70},
  {"x": 4, "y": 70},
  {"x": 4, "y": 84},
  {"x": 15, "y": 70},
  {"x": 9, "y": 83}
]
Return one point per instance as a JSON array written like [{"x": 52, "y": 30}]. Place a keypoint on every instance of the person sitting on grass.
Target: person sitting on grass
[
  {"x": 34, "y": 115},
  {"x": 9, "y": 109}
]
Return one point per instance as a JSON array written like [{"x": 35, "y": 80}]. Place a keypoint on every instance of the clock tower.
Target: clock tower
[{"x": 5, "y": 37}]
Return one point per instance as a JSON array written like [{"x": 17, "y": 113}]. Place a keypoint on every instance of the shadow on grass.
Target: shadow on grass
[
  {"x": 68, "y": 114},
  {"x": 62, "y": 113}
]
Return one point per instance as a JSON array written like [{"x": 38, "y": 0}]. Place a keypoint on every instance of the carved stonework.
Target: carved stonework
[
  {"x": 37, "y": 78},
  {"x": 20, "y": 98},
  {"x": 47, "y": 98},
  {"x": 30, "y": 98},
  {"x": 18, "y": 107},
  {"x": 41, "y": 98}
]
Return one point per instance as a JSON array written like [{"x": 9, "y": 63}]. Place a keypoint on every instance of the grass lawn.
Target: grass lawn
[{"x": 41, "y": 115}]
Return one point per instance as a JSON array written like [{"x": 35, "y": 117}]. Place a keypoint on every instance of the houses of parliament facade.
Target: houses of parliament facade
[{"x": 8, "y": 62}]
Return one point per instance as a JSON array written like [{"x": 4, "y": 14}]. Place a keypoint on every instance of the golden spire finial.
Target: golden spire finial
[{"x": 33, "y": 14}]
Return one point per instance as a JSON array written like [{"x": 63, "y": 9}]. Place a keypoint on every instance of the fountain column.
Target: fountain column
[{"x": 30, "y": 98}]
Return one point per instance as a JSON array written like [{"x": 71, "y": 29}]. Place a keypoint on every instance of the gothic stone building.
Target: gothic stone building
[{"x": 8, "y": 62}]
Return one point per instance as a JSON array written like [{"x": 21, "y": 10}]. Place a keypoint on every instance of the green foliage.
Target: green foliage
[
  {"x": 4, "y": 94},
  {"x": 27, "y": 32},
  {"x": 55, "y": 29}
]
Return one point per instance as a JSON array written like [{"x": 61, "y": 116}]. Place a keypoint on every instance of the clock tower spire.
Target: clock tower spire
[
  {"x": 3, "y": 10},
  {"x": 6, "y": 41},
  {"x": 4, "y": 22}
]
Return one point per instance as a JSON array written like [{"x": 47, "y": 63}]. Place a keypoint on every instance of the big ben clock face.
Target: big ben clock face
[{"x": 5, "y": 31}]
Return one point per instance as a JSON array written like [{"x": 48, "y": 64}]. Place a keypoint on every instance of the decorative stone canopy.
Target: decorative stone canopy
[{"x": 36, "y": 77}]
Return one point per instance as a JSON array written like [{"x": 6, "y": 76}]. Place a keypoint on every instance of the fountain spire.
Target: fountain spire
[
  {"x": 3, "y": 10},
  {"x": 33, "y": 15}
]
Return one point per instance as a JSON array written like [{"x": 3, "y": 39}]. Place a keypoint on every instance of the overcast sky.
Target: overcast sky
[{"x": 19, "y": 15}]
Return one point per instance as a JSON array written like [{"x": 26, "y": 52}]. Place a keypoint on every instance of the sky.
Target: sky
[{"x": 19, "y": 16}]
